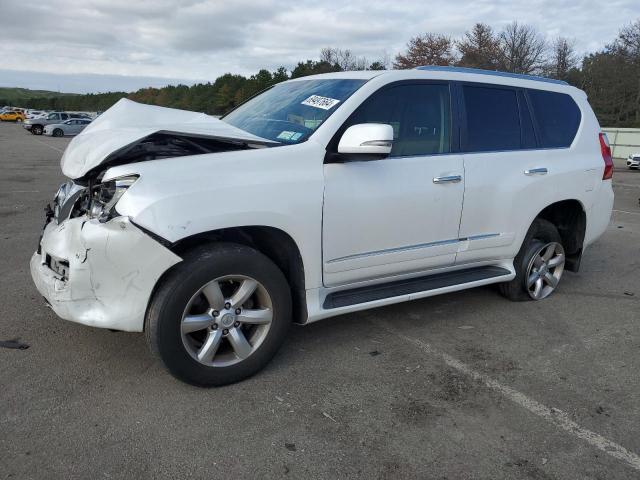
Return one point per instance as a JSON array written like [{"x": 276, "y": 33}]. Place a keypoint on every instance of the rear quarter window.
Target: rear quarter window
[{"x": 557, "y": 117}]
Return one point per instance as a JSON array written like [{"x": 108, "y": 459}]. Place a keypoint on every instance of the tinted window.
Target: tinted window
[
  {"x": 419, "y": 115},
  {"x": 493, "y": 121},
  {"x": 557, "y": 117}
]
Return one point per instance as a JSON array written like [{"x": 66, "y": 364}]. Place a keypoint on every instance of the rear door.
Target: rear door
[
  {"x": 513, "y": 169},
  {"x": 397, "y": 215}
]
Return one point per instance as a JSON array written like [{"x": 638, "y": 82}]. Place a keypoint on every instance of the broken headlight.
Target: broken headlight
[{"x": 105, "y": 195}]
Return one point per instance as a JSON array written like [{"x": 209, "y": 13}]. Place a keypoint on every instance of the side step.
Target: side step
[{"x": 397, "y": 288}]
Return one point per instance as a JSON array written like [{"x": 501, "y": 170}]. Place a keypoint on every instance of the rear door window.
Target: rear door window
[
  {"x": 492, "y": 119},
  {"x": 557, "y": 117}
]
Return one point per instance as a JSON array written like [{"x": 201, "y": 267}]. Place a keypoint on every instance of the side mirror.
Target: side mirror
[{"x": 366, "y": 141}]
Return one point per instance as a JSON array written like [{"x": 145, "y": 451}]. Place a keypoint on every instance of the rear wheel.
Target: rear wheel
[
  {"x": 220, "y": 315},
  {"x": 37, "y": 129},
  {"x": 539, "y": 264}
]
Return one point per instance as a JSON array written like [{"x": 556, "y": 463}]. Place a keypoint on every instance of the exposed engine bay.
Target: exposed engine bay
[
  {"x": 168, "y": 145},
  {"x": 78, "y": 197}
]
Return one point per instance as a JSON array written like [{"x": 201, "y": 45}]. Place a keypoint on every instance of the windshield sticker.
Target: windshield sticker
[
  {"x": 325, "y": 103},
  {"x": 286, "y": 135},
  {"x": 296, "y": 136}
]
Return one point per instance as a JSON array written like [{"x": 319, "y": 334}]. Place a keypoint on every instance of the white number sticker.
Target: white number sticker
[{"x": 316, "y": 101}]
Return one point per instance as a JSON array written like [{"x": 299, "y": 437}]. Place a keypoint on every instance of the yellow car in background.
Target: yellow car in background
[{"x": 13, "y": 116}]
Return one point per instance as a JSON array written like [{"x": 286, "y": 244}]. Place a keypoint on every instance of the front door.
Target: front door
[{"x": 399, "y": 215}]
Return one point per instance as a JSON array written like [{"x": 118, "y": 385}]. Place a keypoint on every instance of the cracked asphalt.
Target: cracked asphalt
[{"x": 350, "y": 397}]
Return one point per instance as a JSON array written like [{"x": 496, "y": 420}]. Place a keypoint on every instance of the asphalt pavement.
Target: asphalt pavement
[{"x": 460, "y": 386}]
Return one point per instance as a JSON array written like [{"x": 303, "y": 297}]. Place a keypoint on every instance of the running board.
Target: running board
[{"x": 354, "y": 296}]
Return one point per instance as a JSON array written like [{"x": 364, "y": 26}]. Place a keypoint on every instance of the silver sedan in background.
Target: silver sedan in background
[{"x": 70, "y": 127}]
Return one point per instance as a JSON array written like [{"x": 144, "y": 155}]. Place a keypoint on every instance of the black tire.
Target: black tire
[
  {"x": 58, "y": 133},
  {"x": 37, "y": 129},
  {"x": 540, "y": 233},
  {"x": 200, "y": 266}
]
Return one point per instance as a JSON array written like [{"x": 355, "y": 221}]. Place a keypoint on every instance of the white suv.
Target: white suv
[{"x": 321, "y": 196}]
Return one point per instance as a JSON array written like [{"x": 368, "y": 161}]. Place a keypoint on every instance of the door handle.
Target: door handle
[
  {"x": 536, "y": 171},
  {"x": 448, "y": 179}
]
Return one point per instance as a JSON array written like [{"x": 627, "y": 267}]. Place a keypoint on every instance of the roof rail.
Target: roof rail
[{"x": 440, "y": 68}]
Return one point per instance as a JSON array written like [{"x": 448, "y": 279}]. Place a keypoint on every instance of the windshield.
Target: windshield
[{"x": 290, "y": 112}]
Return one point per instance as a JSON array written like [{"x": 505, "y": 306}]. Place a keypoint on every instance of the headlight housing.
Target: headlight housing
[{"x": 106, "y": 195}]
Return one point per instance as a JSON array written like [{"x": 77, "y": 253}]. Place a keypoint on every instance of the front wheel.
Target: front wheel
[
  {"x": 58, "y": 132},
  {"x": 539, "y": 264},
  {"x": 220, "y": 315}
]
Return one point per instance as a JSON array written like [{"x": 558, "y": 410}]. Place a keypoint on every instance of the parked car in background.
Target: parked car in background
[
  {"x": 633, "y": 161},
  {"x": 36, "y": 125},
  {"x": 35, "y": 113},
  {"x": 71, "y": 127},
  {"x": 12, "y": 116}
]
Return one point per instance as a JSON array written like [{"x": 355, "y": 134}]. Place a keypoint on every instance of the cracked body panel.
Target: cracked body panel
[{"x": 104, "y": 287}]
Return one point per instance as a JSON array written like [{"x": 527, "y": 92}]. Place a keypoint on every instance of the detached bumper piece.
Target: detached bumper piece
[{"x": 99, "y": 274}]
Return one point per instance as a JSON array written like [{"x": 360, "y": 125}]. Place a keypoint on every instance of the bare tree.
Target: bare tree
[
  {"x": 522, "y": 49},
  {"x": 629, "y": 40},
  {"x": 427, "y": 49},
  {"x": 628, "y": 46},
  {"x": 562, "y": 59},
  {"x": 345, "y": 59},
  {"x": 479, "y": 48},
  {"x": 382, "y": 63}
]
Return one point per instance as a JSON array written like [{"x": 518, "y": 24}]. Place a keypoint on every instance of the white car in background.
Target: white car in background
[
  {"x": 69, "y": 128},
  {"x": 633, "y": 161},
  {"x": 321, "y": 196},
  {"x": 35, "y": 113}
]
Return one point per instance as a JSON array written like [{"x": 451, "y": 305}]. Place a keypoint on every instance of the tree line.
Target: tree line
[{"x": 610, "y": 77}]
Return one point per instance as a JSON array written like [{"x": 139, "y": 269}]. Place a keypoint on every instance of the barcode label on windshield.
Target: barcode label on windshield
[{"x": 317, "y": 101}]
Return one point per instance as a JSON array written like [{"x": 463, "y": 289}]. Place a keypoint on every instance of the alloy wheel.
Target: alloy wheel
[
  {"x": 226, "y": 320},
  {"x": 545, "y": 270}
]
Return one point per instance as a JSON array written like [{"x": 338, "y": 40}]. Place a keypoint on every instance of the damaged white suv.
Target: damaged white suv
[{"x": 321, "y": 196}]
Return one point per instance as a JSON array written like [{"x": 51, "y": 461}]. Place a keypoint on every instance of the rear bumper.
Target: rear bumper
[
  {"x": 111, "y": 270},
  {"x": 599, "y": 215}
]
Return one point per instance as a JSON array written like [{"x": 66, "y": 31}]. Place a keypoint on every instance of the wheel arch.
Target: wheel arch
[
  {"x": 570, "y": 218},
  {"x": 273, "y": 242}
]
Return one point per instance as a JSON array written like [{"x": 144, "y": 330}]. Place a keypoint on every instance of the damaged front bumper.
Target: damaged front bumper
[{"x": 99, "y": 274}]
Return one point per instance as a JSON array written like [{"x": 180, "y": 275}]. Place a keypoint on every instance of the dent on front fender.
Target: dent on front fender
[{"x": 113, "y": 269}]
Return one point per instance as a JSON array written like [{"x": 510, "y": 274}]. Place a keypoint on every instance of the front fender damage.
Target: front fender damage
[{"x": 113, "y": 268}]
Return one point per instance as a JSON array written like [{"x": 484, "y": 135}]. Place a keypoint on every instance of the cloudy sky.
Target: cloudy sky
[{"x": 98, "y": 45}]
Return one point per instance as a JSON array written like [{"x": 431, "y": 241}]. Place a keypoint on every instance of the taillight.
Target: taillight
[{"x": 605, "y": 149}]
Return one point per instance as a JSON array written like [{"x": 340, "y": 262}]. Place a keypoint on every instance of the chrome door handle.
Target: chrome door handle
[
  {"x": 448, "y": 179},
  {"x": 536, "y": 171}
]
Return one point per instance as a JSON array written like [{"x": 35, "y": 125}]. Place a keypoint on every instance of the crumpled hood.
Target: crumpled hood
[{"x": 127, "y": 122}]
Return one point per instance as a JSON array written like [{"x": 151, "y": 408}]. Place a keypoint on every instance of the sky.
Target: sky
[{"x": 102, "y": 45}]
